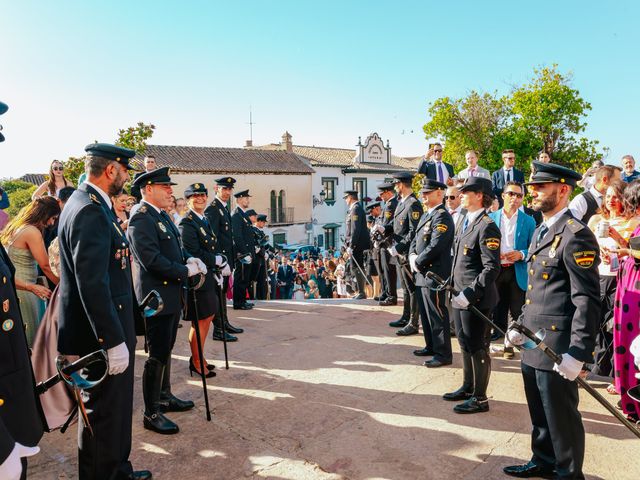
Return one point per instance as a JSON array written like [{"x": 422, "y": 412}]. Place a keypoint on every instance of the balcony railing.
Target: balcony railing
[{"x": 280, "y": 216}]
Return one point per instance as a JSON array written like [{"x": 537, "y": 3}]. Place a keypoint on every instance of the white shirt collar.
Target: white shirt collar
[
  {"x": 507, "y": 170},
  {"x": 549, "y": 223},
  {"x": 152, "y": 206},
  {"x": 513, "y": 217},
  {"x": 196, "y": 214},
  {"x": 472, "y": 216},
  {"x": 595, "y": 192},
  {"x": 101, "y": 192}
]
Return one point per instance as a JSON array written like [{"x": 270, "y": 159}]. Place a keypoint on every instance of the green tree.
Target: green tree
[
  {"x": 475, "y": 122},
  {"x": 550, "y": 112},
  {"x": 19, "y": 194}
]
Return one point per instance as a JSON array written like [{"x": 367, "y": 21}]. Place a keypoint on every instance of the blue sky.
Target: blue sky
[{"x": 328, "y": 72}]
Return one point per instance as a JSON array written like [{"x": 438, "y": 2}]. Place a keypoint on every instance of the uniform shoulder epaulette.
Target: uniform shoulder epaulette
[
  {"x": 487, "y": 219},
  {"x": 142, "y": 209},
  {"x": 94, "y": 198},
  {"x": 574, "y": 225}
]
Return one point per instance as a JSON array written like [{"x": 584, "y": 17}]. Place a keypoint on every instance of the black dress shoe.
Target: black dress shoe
[
  {"x": 399, "y": 323},
  {"x": 217, "y": 335},
  {"x": 388, "y": 302},
  {"x": 140, "y": 475},
  {"x": 251, "y": 304},
  {"x": 456, "y": 396},
  {"x": 231, "y": 329},
  {"x": 436, "y": 362},
  {"x": 529, "y": 470},
  {"x": 243, "y": 307},
  {"x": 424, "y": 352},
  {"x": 407, "y": 330},
  {"x": 157, "y": 422},
  {"x": 473, "y": 405},
  {"x": 360, "y": 296},
  {"x": 377, "y": 299}
]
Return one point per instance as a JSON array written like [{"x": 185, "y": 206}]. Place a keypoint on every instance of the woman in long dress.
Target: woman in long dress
[
  {"x": 626, "y": 311},
  {"x": 25, "y": 246}
]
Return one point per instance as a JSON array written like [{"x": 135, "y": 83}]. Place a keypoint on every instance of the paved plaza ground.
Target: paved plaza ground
[{"x": 325, "y": 390}]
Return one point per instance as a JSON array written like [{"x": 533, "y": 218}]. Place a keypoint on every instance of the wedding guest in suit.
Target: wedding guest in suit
[
  {"x": 434, "y": 168},
  {"x": 508, "y": 173},
  {"x": 473, "y": 170}
]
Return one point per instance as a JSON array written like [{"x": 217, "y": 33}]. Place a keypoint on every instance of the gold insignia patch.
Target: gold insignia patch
[
  {"x": 387, "y": 214},
  {"x": 585, "y": 259},
  {"x": 202, "y": 230},
  {"x": 93, "y": 198},
  {"x": 493, "y": 243},
  {"x": 415, "y": 215},
  {"x": 5, "y": 306},
  {"x": 441, "y": 227},
  {"x": 354, "y": 217},
  {"x": 197, "y": 186},
  {"x": 162, "y": 227},
  {"x": 7, "y": 325}
]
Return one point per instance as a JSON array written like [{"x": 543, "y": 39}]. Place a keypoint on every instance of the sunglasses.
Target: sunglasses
[
  {"x": 437, "y": 151},
  {"x": 514, "y": 194},
  {"x": 58, "y": 169},
  {"x": 450, "y": 197}
]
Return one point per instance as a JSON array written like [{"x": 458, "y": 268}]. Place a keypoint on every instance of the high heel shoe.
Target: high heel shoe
[
  {"x": 192, "y": 370},
  {"x": 209, "y": 366}
]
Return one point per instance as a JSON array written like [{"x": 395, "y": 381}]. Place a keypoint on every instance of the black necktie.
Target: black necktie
[
  {"x": 508, "y": 175},
  {"x": 543, "y": 231}
]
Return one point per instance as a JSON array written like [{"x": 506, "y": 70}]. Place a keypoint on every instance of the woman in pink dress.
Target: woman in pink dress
[{"x": 626, "y": 311}]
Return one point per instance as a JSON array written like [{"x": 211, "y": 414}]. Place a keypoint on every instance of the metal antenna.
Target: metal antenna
[{"x": 251, "y": 124}]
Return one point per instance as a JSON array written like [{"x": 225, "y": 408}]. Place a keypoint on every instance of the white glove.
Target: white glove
[
  {"x": 193, "y": 268},
  {"x": 247, "y": 260},
  {"x": 11, "y": 468},
  {"x": 349, "y": 250},
  {"x": 514, "y": 338},
  {"x": 191, "y": 260},
  {"x": 218, "y": 278},
  {"x": 460, "y": 301},
  {"x": 392, "y": 251},
  {"x": 220, "y": 261},
  {"x": 118, "y": 359},
  {"x": 226, "y": 270},
  {"x": 257, "y": 249},
  {"x": 635, "y": 351},
  {"x": 569, "y": 367},
  {"x": 412, "y": 262},
  {"x": 266, "y": 256},
  {"x": 201, "y": 266},
  {"x": 378, "y": 228}
]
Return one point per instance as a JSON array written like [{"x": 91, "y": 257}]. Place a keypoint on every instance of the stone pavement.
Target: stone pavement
[{"x": 325, "y": 390}]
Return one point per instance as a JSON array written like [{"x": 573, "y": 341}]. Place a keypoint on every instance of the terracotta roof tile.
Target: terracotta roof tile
[{"x": 227, "y": 160}]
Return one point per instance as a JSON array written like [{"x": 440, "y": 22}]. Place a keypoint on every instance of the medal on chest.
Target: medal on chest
[{"x": 554, "y": 246}]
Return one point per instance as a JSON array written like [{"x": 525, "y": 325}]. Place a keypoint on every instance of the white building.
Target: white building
[{"x": 340, "y": 169}]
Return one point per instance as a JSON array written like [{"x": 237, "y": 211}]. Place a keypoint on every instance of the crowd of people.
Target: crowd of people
[{"x": 507, "y": 248}]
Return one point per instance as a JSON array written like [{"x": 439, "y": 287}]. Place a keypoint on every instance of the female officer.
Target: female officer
[{"x": 199, "y": 241}]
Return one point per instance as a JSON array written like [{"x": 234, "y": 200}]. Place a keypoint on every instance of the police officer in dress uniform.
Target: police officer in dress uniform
[
  {"x": 220, "y": 222},
  {"x": 97, "y": 310},
  {"x": 261, "y": 257},
  {"x": 476, "y": 265},
  {"x": 200, "y": 242},
  {"x": 405, "y": 223},
  {"x": 161, "y": 265},
  {"x": 252, "y": 215},
  {"x": 356, "y": 240},
  {"x": 563, "y": 298},
  {"x": 388, "y": 272},
  {"x": 430, "y": 252},
  {"x": 375, "y": 211},
  {"x": 245, "y": 249}
]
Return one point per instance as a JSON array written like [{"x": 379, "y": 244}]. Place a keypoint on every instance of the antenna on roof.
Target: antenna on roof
[{"x": 251, "y": 124}]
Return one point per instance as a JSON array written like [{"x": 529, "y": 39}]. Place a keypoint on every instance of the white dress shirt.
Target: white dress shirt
[
  {"x": 445, "y": 172},
  {"x": 578, "y": 205},
  {"x": 508, "y": 232}
]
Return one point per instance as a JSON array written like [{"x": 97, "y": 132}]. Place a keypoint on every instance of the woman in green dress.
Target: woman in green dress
[{"x": 25, "y": 245}]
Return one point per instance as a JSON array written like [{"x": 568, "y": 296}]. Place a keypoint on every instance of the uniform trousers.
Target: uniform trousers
[
  {"x": 356, "y": 264},
  {"x": 109, "y": 405},
  {"x": 557, "y": 439},
  {"x": 410, "y": 308},
  {"x": 511, "y": 297},
  {"x": 161, "y": 335},
  {"x": 435, "y": 322},
  {"x": 241, "y": 280},
  {"x": 261, "y": 279},
  {"x": 473, "y": 333},
  {"x": 389, "y": 275}
]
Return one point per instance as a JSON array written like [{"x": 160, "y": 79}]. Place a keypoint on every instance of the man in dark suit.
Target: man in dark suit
[
  {"x": 161, "y": 265},
  {"x": 405, "y": 222},
  {"x": 220, "y": 221},
  {"x": 476, "y": 264},
  {"x": 97, "y": 310},
  {"x": 245, "y": 249},
  {"x": 563, "y": 298},
  {"x": 356, "y": 240},
  {"x": 508, "y": 173},
  {"x": 285, "y": 278},
  {"x": 434, "y": 168},
  {"x": 262, "y": 256},
  {"x": 389, "y": 273},
  {"x": 431, "y": 252},
  {"x": 149, "y": 164}
]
